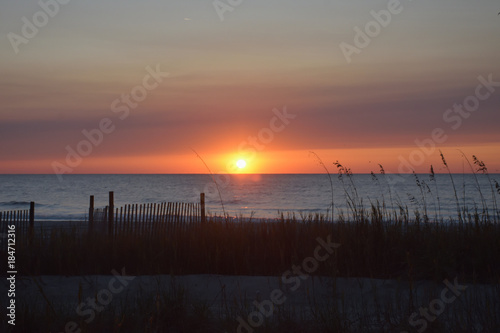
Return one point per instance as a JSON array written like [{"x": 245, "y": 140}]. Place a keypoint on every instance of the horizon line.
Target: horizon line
[{"x": 242, "y": 174}]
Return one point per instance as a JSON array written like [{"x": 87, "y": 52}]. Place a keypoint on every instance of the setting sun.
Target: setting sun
[{"x": 241, "y": 164}]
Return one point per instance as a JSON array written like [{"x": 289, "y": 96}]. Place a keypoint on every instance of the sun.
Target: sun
[{"x": 241, "y": 164}]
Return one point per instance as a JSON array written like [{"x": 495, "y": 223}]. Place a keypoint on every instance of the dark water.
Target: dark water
[{"x": 247, "y": 195}]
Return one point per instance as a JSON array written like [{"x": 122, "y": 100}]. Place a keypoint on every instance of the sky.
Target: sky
[{"x": 169, "y": 86}]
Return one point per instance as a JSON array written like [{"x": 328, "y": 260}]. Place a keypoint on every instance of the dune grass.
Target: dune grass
[{"x": 375, "y": 245}]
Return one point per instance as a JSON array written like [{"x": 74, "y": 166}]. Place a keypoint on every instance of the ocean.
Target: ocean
[{"x": 257, "y": 196}]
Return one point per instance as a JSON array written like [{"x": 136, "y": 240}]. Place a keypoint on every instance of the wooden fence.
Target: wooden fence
[
  {"x": 134, "y": 218},
  {"x": 144, "y": 218},
  {"x": 22, "y": 219}
]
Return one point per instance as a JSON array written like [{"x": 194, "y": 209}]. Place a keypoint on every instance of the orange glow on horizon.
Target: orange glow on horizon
[{"x": 268, "y": 162}]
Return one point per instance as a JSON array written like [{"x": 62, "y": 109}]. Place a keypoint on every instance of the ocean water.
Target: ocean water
[{"x": 259, "y": 196}]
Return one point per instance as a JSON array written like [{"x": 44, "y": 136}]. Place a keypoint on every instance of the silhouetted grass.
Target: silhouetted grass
[{"x": 377, "y": 245}]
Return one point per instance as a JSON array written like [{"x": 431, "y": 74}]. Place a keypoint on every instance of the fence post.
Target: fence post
[
  {"x": 32, "y": 220},
  {"x": 111, "y": 213},
  {"x": 91, "y": 214},
  {"x": 202, "y": 207},
  {"x": 32, "y": 214}
]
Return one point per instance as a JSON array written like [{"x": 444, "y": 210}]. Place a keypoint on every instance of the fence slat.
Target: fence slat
[
  {"x": 181, "y": 208},
  {"x": 136, "y": 212},
  {"x": 164, "y": 218},
  {"x": 126, "y": 219},
  {"x": 169, "y": 213},
  {"x": 202, "y": 207},
  {"x": 177, "y": 213},
  {"x": 185, "y": 212},
  {"x": 91, "y": 212},
  {"x": 151, "y": 217},
  {"x": 158, "y": 217},
  {"x": 174, "y": 212}
]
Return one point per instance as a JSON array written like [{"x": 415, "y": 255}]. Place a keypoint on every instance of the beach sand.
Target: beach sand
[{"x": 232, "y": 295}]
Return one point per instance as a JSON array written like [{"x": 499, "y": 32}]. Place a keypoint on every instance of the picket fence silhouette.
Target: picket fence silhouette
[
  {"x": 130, "y": 218},
  {"x": 144, "y": 218},
  {"x": 22, "y": 219}
]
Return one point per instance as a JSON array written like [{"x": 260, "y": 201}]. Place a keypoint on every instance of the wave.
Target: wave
[
  {"x": 14, "y": 203},
  {"x": 17, "y": 204}
]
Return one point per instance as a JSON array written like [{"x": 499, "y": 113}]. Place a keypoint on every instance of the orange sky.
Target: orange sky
[
  {"x": 292, "y": 161},
  {"x": 103, "y": 67}
]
